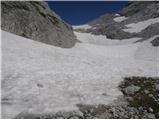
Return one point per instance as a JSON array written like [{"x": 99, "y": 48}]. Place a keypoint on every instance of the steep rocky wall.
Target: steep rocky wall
[{"x": 35, "y": 20}]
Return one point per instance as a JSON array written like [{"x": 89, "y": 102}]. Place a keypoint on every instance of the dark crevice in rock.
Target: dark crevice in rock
[{"x": 53, "y": 19}]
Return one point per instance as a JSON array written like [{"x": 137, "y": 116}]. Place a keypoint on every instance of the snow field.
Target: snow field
[
  {"x": 40, "y": 78},
  {"x": 102, "y": 40},
  {"x": 82, "y": 26}
]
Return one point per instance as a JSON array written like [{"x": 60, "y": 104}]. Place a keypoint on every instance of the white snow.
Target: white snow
[
  {"x": 68, "y": 76},
  {"x": 148, "y": 52},
  {"x": 117, "y": 14},
  {"x": 138, "y": 27},
  {"x": 102, "y": 40},
  {"x": 86, "y": 26},
  {"x": 120, "y": 18}
]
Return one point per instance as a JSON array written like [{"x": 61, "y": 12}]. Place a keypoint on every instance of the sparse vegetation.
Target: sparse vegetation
[{"x": 147, "y": 97}]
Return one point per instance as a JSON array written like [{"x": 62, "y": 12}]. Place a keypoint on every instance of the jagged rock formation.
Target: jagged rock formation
[
  {"x": 133, "y": 13},
  {"x": 35, "y": 20}
]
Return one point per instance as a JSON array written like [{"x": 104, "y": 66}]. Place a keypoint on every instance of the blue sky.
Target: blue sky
[{"x": 81, "y": 12}]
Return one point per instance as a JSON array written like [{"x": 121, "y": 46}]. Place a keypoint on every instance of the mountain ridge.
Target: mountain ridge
[{"x": 113, "y": 25}]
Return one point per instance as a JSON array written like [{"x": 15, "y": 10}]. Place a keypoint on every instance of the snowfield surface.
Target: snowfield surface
[
  {"x": 120, "y": 18},
  {"x": 82, "y": 26},
  {"x": 102, "y": 40},
  {"x": 148, "y": 52},
  {"x": 39, "y": 78},
  {"x": 138, "y": 27}
]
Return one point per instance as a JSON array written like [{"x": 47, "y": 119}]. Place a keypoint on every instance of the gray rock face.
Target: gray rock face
[
  {"x": 36, "y": 21},
  {"x": 140, "y": 10},
  {"x": 135, "y": 11},
  {"x": 150, "y": 31},
  {"x": 132, "y": 89},
  {"x": 114, "y": 31},
  {"x": 155, "y": 42}
]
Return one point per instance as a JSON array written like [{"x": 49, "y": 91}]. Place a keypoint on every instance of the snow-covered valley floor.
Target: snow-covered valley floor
[{"x": 40, "y": 78}]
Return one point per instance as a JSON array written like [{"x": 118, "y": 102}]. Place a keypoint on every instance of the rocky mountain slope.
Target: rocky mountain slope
[
  {"x": 93, "y": 79},
  {"x": 36, "y": 21},
  {"x": 136, "y": 19}
]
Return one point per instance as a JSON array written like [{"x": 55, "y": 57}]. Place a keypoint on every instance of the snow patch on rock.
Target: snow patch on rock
[
  {"x": 120, "y": 19},
  {"x": 117, "y": 15},
  {"x": 138, "y": 27}
]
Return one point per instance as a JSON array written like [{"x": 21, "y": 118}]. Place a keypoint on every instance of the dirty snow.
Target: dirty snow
[
  {"x": 138, "y": 27},
  {"x": 120, "y": 18},
  {"x": 39, "y": 78},
  {"x": 86, "y": 26}
]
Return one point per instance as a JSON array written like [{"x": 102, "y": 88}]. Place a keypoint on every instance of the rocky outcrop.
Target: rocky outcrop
[
  {"x": 140, "y": 10},
  {"x": 133, "y": 12},
  {"x": 150, "y": 31},
  {"x": 155, "y": 42},
  {"x": 35, "y": 20}
]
